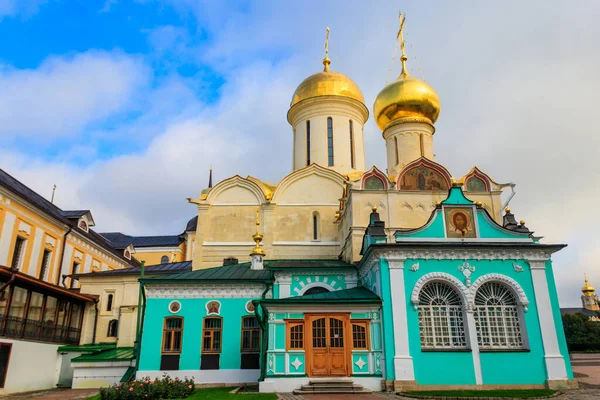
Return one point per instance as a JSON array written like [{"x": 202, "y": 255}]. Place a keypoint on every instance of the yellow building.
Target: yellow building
[{"x": 154, "y": 249}]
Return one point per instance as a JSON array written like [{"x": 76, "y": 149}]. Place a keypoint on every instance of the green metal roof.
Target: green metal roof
[
  {"x": 116, "y": 354},
  {"x": 243, "y": 272},
  {"x": 348, "y": 296},
  {"x": 86, "y": 348}
]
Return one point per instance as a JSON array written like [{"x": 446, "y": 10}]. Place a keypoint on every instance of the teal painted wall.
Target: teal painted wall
[
  {"x": 560, "y": 330},
  {"x": 387, "y": 319},
  {"x": 193, "y": 311},
  {"x": 331, "y": 281},
  {"x": 457, "y": 367}
]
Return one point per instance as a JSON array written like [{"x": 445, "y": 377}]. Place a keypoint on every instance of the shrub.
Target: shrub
[{"x": 165, "y": 388}]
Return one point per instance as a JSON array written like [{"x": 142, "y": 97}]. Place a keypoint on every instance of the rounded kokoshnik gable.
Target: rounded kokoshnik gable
[{"x": 407, "y": 98}]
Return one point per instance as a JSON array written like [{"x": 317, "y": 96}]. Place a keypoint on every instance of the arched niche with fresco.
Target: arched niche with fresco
[{"x": 424, "y": 175}]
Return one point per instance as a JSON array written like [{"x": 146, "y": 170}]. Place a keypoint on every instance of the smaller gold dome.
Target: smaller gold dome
[
  {"x": 327, "y": 83},
  {"x": 407, "y": 98},
  {"x": 587, "y": 288}
]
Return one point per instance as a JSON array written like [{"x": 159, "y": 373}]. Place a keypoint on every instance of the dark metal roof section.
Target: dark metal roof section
[
  {"x": 74, "y": 213},
  {"x": 375, "y": 229},
  {"x": 119, "y": 240},
  {"x": 235, "y": 272},
  {"x": 352, "y": 296},
  {"x": 191, "y": 225},
  {"x": 27, "y": 194},
  {"x": 589, "y": 313},
  {"x": 509, "y": 222},
  {"x": 158, "y": 269}
]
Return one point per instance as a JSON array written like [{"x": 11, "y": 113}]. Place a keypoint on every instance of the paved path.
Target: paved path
[{"x": 56, "y": 394}]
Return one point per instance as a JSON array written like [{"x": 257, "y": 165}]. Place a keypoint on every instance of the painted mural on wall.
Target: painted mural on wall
[
  {"x": 423, "y": 178},
  {"x": 373, "y": 183},
  {"x": 475, "y": 184},
  {"x": 460, "y": 222}
]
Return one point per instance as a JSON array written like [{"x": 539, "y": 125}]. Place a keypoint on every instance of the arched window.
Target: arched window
[
  {"x": 351, "y": 126},
  {"x": 374, "y": 183},
  {"x": 396, "y": 156},
  {"x": 497, "y": 317},
  {"x": 164, "y": 259},
  {"x": 316, "y": 225},
  {"x": 475, "y": 184},
  {"x": 109, "y": 302},
  {"x": 440, "y": 311},
  {"x": 316, "y": 290},
  {"x": 172, "y": 335},
  {"x": 330, "y": 141},
  {"x": 307, "y": 142},
  {"x": 112, "y": 328}
]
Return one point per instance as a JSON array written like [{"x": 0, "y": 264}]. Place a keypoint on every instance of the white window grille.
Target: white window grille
[
  {"x": 497, "y": 318},
  {"x": 441, "y": 320}
]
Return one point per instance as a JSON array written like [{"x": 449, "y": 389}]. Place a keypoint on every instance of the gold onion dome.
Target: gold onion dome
[
  {"x": 327, "y": 83},
  {"x": 407, "y": 98},
  {"x": 587, "y": 287}
]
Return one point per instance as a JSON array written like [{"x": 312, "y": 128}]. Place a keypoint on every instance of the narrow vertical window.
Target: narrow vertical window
[
  {"x": 45, "y": 266},
  {"x": 330, "y": 141},
  {"x": 112, "y": 328},
  {"x": 250, "y": 343},
  {"x": 351, "y": 126},
  {"x": 109, "y": 302},
  {"x": 211, "y": 343},
  {"x": 74, "y": 270},
  {"x": 164, "y": 259},
  {"x": 18, "y": 252},
  {"x": 316, "y": 225},
  {"x": 396, "y": 150},
  {"x": 295, "y": 335},
  {"x": 307, "y": 142}
]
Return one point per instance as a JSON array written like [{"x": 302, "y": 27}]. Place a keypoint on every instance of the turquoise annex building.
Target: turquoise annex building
[
  {"x": 483, "y": 311},
  {"x": 365, "y": 279}
]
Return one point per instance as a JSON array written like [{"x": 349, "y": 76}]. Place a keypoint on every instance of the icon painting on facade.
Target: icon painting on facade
[{"x": 459, "y": 222}]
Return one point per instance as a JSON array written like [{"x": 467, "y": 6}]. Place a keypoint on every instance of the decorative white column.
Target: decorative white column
[
  {"x": 473, "y": 344},
  {"x": 6, "y": 236},
  {"x": 403, "y": 362},
  {"x": 555, "y": 363}
]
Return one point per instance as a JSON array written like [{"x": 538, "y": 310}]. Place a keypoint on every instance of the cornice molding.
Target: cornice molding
[{"x": 232, "y": 290}]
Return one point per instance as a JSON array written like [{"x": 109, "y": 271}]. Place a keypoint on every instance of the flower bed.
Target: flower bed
[{"x": 165, "y": 388}]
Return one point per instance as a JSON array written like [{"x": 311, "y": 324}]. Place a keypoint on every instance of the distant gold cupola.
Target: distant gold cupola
[
  {"x": 589, "y": 298},
  {"x": 405, "y": 110}
]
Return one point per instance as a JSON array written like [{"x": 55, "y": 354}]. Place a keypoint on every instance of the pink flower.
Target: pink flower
[
  {"x": 117, "y": 388},
  {"x": 190, "y": 386},
  {"x": 131, "y": 389}
]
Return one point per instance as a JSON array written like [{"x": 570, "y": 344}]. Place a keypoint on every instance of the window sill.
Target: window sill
[
  {"x": 504, "y": 350},
  {"x": 446, "y": 350}
]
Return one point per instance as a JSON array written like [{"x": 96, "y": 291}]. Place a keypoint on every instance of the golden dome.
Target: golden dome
[
  {"x": 587, "y": 287},
  {"x": 406, "y": 98},
  {"x": 327, "y": 83}
]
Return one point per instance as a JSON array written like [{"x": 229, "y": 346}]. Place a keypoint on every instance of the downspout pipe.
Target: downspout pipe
[
  {"x": 95, "y": 322},
  {"x": 512, "y": 194},
  {"x": 140, "y": 317},
  {"x": 262, "y": 322},
  {"x": 62, "y": 255}
]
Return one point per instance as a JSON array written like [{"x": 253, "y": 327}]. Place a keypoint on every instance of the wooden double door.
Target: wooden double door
[{"x": 328, "y": 349}]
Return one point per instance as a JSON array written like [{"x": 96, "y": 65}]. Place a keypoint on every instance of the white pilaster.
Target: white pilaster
[
  {"x": 555, "y": 363},
  {"x": 6, "y": 237},
  {"x": 474, "y": 345},
  {"x": 35, "y": 255},
  {"x": 87, "y": 264},
  {"x": 403, "y": 362},
  {"x": 66, "y": 264}
]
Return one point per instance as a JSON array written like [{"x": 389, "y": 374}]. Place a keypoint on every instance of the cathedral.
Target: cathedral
[{"x": 344, "y": 276}]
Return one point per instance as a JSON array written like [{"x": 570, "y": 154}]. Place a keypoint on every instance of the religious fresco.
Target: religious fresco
[
  {"x": 374, "y": 183},
  {"x": 475, "y": 184},
  {"x": 423, "y": 178},
  {"x": 460, "y": 222}
]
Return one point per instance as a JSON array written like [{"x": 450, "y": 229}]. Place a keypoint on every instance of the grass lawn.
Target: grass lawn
[
  {"x": 220, "y": 394},
  {"x": 519, "y": 394}
]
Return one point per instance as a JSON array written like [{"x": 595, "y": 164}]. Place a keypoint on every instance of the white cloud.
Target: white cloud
[
  {"x": 25, "y": 8},
  {"x": 65, "y": 94},
  {"x": 517, "y": 81}
]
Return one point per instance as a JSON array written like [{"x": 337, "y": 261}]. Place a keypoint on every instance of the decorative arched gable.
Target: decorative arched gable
[
  {"x": 423, "y": 174},
  {"x": 370, "y": 178},
  {"x": 477, "y": 181},
  {"x": 310, "y": 182},
  {"x": 439, "y": 276},
  {"x": 236, "y": 190},
  {"x": 506, "y": 280}
]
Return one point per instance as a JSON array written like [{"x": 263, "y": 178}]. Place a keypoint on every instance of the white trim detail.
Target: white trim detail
[
  {"x": 508, "y": 281},
  {"x": 165, "y": 291},
  {"x": 311, "y": 243},
  {"x": 317, "y": 284},
  {"x": 6, "y": 236},
  {"x": 439, "y": 276},
  {"x": 245, "y": 244}
]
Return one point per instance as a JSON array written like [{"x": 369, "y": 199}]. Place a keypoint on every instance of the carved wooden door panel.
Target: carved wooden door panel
[
  {"x": 319, "y": 346},
  {"x": 337, "y": 351},
  {"x": 327, "y": 350}
]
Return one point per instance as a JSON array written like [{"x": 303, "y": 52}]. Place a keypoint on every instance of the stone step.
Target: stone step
[
  {"x": 332, "y": 386},
  {"x": 340, "y": 382},
  {"x": 322, "y": 391}
]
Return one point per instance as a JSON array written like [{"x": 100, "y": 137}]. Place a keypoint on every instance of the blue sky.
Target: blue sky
[{"x": 124, "y": 104}]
